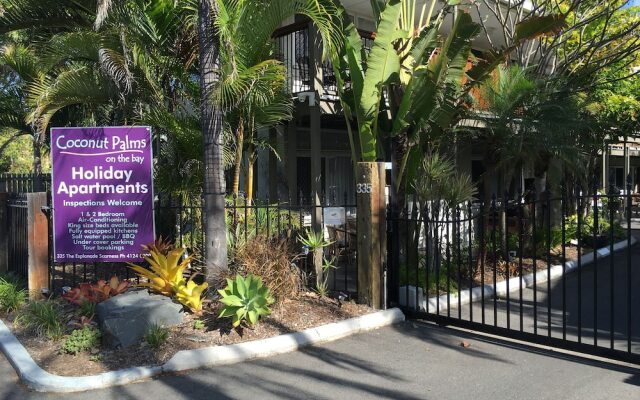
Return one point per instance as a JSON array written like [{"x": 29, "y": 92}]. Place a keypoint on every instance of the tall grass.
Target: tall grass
[
  {"x": 44, "y": 318},
  {"x": 12, "y": 295}
]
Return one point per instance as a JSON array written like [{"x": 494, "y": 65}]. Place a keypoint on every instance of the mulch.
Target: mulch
[{"x": 306, "y": 311}]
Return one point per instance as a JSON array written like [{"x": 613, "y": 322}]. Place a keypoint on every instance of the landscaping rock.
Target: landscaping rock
[{"x": 125, "y": 318}]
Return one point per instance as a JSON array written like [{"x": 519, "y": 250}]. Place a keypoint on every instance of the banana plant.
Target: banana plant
[{"x": 413, "y": 84}]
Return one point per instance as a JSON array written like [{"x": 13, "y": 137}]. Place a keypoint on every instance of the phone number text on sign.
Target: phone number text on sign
[{"x": 102, "y": 193}]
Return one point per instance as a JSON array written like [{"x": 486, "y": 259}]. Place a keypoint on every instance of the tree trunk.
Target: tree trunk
[
  {"x": 37, "y": 163},
  {"x": 317, "y": 265},
  {"x": 250, "y": 165},
  {"x": 236, "y": 171},
  {"x": 211, "y": 123}
]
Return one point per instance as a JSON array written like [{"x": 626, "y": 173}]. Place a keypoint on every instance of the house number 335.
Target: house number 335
[{"x": 363, "y": 188}]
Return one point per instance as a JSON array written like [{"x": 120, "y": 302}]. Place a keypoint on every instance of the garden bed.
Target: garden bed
[{"x": 306, "y": 311}]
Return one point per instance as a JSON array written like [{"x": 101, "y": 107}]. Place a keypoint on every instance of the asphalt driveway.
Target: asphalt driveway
[{"x": 412, "y": 360}]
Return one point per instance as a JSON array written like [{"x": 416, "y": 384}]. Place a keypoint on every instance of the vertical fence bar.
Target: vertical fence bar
[
  {"x": 427, "y": 254},
  {"x": 534, "y": 205},
  {"x": 628, "y": 215},
  {"x": 416, "y": 235},
  {"x": 406, "y": 251},
  {"x": 483, "y": 255},
  {"x": 505, "y": 202},
  {"x": 448, "y": 250},
  {"x": 437, "y": 254},
  {"x": 470, "y": 257},
  {"x": 458, "y": 259},
  {"x": 612, "y": 199},
  {"x": 595, "y": 263},
  {"x": 579, "y": 200},
  {"x": 520, "y": 254},
  {"x": 494, "y": 256},
  {"x": 548, "y": 211},
  {"x": 563, "y": 230}
]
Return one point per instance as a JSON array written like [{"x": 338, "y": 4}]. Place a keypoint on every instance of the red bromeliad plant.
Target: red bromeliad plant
[{"x": 103, "y": 290}]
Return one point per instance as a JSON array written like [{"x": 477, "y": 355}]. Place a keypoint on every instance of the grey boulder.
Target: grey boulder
[{"x": 124, "y": 319}]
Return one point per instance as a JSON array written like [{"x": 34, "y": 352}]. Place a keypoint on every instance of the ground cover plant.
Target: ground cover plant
[
  {"x": 12, "y": 295},
  {"x": 43, "y": 317},
  {"x": 83, "y": 339},
  {"x": 156, "y": 335}
]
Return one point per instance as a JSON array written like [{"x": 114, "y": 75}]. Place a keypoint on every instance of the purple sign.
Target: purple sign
[{"x": 102, "y": 193}]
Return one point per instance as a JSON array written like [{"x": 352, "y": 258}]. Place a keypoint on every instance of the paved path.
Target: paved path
[
  {"x": 611, "y": 303},
  {"x": 407, "y": 361}
]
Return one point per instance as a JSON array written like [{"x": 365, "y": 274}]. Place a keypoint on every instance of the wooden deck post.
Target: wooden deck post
[
  {"x": 38, "y": 243},
  {"x": 371, "y": 202}
]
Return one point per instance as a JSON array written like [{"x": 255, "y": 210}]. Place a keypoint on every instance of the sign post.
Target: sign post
[
  {"x": 371, "y": 202},
  {"x": 102, "y": 193}
]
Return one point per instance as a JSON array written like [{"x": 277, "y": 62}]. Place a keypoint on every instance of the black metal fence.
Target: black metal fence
[
  {"x": 335, "y": 218},
  {"x": 554, "y": 269},
  {"x": 17, "y": 240},
  {"x": 24, "y": 183},
  {"x": 178, "y": 219}
]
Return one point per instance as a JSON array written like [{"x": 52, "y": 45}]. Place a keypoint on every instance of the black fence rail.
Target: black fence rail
[
  {"x": 334, "y": 218},
  {"x": 556, "y": 269},
  {"x": 24, "y": 183},
  {"x": 17, "y": 239},
  {"x": 178, "y": 219}
]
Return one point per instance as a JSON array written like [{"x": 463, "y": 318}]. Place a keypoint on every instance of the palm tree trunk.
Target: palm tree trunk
[
  {"x": 251, "y": 162},
  {"x": 37, "y": 163},
  {"x": 236, "y": 170},
  {"x": 211, "y": 123}
]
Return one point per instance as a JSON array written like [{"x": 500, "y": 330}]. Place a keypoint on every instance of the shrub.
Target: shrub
[
  {"x": 273, "y": 261},
  {"x": 245, "y": 299},
  {"x": 323, "y": 288},
  {"x": 44, "y": 318},
  {"x": 12, "y": 295},
  {"x": 156, "y": 335},
  {"x": 87, "y": 309},
  {"x": 101, "y": 291},
  {"x": 167, "y": 276},
  {"x": 198, "y": 324},
  {"x": 80, "y": 340}
]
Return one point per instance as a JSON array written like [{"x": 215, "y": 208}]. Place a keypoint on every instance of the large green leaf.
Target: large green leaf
[
  {"x": 536, "y": 26},
  {"x": 383, "y": 67}
]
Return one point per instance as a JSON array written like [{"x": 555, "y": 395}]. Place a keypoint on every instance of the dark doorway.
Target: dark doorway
[{"x": 303, "y": 165}]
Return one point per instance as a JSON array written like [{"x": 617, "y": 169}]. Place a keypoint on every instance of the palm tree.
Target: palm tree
[
  {"x": 245, "y": 43},
  {"x": 24, "y": 69},
  {"x": 211, "y": 122}
]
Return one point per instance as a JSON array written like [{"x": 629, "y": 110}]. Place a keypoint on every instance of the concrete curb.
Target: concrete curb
[
  {"x": 40, "y": 380},
  {"x": 513, "y": 285}
]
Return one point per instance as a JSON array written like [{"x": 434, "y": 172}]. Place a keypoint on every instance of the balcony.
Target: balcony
[{"x": 296, "y": 49}]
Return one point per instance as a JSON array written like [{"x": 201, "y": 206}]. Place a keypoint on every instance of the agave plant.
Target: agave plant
[
  {"x": 315, "y": 242},
  {"x": 245, "y": 299}
]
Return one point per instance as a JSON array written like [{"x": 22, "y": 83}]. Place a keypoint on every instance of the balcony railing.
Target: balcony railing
[{"x": 292, "y": 48}]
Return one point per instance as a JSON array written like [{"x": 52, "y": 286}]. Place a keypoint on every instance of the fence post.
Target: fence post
[
  {"x": 38, "y": 243},
  {"x": 4, "y": 237},
  {"x": 370, "y": 193}
]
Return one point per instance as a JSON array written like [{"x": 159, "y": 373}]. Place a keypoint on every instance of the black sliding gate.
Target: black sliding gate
[{"x": 561, "y": 270}]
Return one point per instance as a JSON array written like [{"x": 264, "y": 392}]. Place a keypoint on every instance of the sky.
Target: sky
[{"x": 634, "y": 3}]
